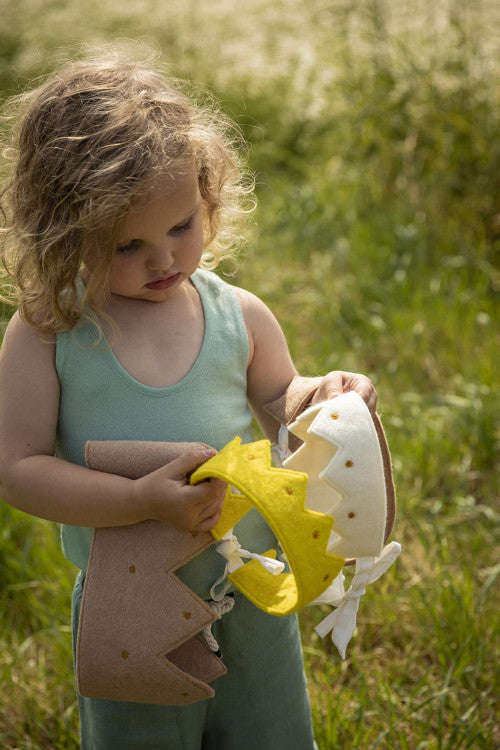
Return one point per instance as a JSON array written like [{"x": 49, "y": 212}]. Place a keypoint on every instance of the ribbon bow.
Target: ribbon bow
[{"x": 342, "y": 620}]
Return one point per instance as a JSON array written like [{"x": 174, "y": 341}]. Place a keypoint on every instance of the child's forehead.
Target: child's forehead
[
  {"x": 181, "y": 177},
  {"x": 169, "y": 185},
  {"x": 175, "y": 195}
]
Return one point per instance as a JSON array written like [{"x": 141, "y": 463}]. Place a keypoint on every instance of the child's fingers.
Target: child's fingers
[
  {"x": 364, "y": 387},
  {"x": 219, "y": 488},
  {"x": 180, "y": 467},
  {"x": 177, "y": 502},
  {"x": 214, "y": 491},
  {"x": 204, "y": 495},
  {"x": 370, "y": 398},
  {"x": 198, "y": 503},
  {"x": 332, "y": 385},
  {"x": 337, "y": 382},
  {"x": 210, "y": 516}
]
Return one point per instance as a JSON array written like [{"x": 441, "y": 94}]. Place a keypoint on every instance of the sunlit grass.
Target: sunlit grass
[
  {"x": 37, "y": 701},
  {"x": 417, "y": 674},
  {"x": 373, "y": 131}
]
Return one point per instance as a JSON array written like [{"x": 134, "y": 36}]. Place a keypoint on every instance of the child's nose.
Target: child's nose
[{"x": 160, "y": 257}]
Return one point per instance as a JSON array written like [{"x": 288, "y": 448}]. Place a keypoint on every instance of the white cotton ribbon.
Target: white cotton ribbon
[
  {"x": 280, "y": 450},
  {"x": 342, "y": 620},
  {"x": 230, "y": 548},
  {"x": 219, "y": 609}
]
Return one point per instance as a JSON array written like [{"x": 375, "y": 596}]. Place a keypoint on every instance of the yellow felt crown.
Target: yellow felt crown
[{"x": 280, "y": 496}]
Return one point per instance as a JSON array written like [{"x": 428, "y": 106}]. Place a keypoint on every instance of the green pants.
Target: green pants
[{"x": 260, "y": 704}]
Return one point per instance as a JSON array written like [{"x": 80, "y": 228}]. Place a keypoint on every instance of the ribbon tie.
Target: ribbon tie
[
  {"x": 230, "y": 548},
  {"x": 342, "y": 620}
]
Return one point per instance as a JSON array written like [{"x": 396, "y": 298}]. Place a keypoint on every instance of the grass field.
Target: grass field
[{"x": 373, "y": 131}]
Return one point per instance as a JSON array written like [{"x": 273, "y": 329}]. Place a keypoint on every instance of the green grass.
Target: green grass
[
  {"x": 37, "y": 704},
  {"x": 373, "y": 132}
]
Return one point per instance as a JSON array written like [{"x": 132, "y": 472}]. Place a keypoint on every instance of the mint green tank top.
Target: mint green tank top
[{"x": 100, "y": 401}]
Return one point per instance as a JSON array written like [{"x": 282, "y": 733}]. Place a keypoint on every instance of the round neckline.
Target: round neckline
[{"x": 197, "y": 364}]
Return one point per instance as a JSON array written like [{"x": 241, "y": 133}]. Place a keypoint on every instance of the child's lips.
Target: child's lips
[{"x": 163, "y": 282}]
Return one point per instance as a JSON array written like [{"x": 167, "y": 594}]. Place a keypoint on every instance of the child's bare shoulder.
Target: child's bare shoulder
[
  {"x": 253, "y": 308},
  {"x": 23, "y": 342},
  {"x": 262, "y": 326}
]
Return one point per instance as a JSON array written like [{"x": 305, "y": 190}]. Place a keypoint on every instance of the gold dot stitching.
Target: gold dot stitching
[
  {"x": 334, "y": 416},
  {"x": 288, "y": 490},
  {"x": 316, "y": 534},
  {"x": 132, "y": 568},
  {"x": 186, "y": 615},
  {"x": 352, "y": 515},
  {"x": 349, "y": 464},
  {"x": 125, "y": 654}
]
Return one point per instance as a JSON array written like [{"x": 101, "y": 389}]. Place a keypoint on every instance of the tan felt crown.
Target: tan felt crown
[{"x": 137, "y": 637}]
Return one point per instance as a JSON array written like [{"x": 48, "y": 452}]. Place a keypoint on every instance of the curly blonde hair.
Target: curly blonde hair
[{"x": 91, "y": 141}]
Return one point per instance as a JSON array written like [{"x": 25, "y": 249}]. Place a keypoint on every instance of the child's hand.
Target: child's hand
[
  {"x": 170, "y": 498},
  {"x": 337, "y": 382}
]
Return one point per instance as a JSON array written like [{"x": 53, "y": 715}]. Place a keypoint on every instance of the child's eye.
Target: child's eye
[
  {"x": 184, "y": 227},
  {"x": 129, "y": 247}
]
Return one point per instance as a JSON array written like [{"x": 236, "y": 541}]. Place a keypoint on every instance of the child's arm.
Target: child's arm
[
  {"x": 270, "y": 367},
  {"x": 271, "y": 370},
  {"x": 36, "y": 482}
]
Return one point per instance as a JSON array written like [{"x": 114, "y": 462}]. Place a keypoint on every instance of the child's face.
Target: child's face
[{"x": 161, "y": 242}]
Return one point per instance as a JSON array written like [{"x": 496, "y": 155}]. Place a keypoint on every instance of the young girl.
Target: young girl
[{"x": 124, "y": 192}]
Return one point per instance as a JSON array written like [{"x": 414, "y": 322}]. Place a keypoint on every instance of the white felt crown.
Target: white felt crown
[
  {"x": 346, "y": 456},
  {"x": 342, "y": 457}
]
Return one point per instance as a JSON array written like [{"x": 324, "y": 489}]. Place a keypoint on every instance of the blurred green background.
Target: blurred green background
[{"x": 373, "y": 133}]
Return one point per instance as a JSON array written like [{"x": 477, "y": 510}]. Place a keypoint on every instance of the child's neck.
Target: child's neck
[{"x": 157, "y": 342}]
